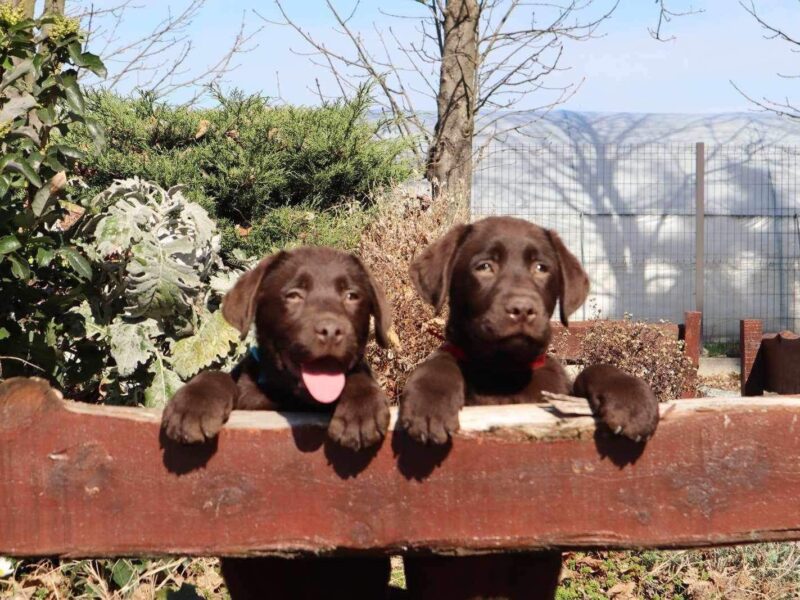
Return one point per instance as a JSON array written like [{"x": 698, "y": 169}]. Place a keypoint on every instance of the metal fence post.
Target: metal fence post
[{"x": 700, "y": 225}]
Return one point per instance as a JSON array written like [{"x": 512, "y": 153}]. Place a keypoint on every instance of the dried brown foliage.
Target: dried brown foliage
[
  {"x": 403, "y": 226},
  {"x": 640, "y": 349}
]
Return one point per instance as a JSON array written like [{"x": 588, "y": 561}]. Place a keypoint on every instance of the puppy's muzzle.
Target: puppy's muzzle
[
  {"x": 521, "y": 309},
  {"x": 330, "y": 331}
]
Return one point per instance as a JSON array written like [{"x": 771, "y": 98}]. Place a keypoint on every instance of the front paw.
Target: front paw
[
  {"x": 429, "y": 417},
  {"x": 360, "y": 422},
  {"x": 194, "y": 415},
  {"x": 625, "y": 404}
]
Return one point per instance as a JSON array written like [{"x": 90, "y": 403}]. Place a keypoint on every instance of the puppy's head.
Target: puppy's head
[
  {"x": 311, "y": 308},
  {"x": 504, "y": 277}
]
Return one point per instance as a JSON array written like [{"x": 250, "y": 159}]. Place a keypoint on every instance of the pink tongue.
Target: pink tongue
[{"x": 325, "y": 387}]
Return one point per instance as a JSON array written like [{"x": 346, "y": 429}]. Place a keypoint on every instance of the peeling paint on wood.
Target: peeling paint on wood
[{"x": 81, "y": 480}]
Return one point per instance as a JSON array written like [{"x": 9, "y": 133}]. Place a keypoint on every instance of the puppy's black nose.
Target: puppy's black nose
[
  {"x": 329, "y": 331},
  {"x": 521, "y": 309}
]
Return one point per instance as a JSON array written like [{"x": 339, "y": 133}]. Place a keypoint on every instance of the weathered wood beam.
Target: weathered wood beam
[{"x": 82, "y": 480}]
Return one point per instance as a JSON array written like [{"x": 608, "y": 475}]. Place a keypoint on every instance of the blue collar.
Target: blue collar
[{"x": 255, "y": 352}]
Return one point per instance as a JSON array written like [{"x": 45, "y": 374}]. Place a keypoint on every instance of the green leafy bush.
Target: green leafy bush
[
  {"x": 42, "y": 271},
  {"x": 289, "y": 226},
  {"x": 251, "y": 164},
  {"x": 152, "y": 315}
]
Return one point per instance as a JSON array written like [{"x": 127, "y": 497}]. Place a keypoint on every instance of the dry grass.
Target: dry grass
[
  {"x": 122, "y": 579},
  {"x": 728, "y": 382},
  {"x": 402, "y": 227},
  {"x": 755, "y": 572}
]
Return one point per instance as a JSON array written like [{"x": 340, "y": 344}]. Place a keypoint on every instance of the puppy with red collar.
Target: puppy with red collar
[{"x": 504, "y": 278}]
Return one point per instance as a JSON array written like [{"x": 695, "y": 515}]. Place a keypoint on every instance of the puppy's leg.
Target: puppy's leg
[
  {"x": 526, "y": 575},
  {"x": 624, "y": 403},
  {"x": 432, "y": 397},
  {"x": 359, "y": 578},
  {"x": 200, "y": 408},
  {"x": 361, "y": 418}
]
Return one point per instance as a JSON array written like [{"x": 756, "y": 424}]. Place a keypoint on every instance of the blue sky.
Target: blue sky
[{"x": 622, "y": 70}]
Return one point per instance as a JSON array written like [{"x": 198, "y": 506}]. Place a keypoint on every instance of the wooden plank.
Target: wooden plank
[{"x": 81, "y": 480}]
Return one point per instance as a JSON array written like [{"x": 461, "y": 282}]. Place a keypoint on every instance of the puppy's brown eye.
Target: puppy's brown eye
[
  {"x": 484, "y": 267},
  {"x": 293, "y": 295},
  {"x": 542, "y": 268},
  {"x": 352, "y": 296}
]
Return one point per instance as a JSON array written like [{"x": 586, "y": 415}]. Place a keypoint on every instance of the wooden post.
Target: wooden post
[
  {"x": 81, "y": 480},
  {"x": 700, "y": 225},
  {"x": 692, "y": 335},
  {"x": 750, "y": 334},
  {"x": 692, "y": 331}
]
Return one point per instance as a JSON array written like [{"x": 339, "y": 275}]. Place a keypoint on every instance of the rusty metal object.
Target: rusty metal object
[
  {"x": 781, "y": 368},
  {"x": 83, "y": 480},
  {"x": 770, "y": 362}
]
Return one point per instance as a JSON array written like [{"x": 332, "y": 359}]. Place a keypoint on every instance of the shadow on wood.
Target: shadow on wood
[{"x": 84, "y": 480}]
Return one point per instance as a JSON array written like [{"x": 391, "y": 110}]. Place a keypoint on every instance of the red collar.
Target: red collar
[{"x": 459, "y": 354}]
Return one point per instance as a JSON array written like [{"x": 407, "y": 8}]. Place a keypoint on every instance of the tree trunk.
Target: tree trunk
[
  {"x": 26, "y": 5},
  {"x": 449, "y": 166},
  {"x": 54, "y": 7}
]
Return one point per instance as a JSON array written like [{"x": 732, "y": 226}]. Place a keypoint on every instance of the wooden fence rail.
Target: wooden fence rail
[{"x": 81, "y": 480}]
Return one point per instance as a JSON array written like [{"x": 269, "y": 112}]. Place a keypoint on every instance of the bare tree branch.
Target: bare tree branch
[
  {"x": 665, "y": 15},
  {"x": 520, "y": 44},
  {"x": 158, "y": 61},
  {"x": 772, "y": 31},
  {"x": 785, "y": 108}
]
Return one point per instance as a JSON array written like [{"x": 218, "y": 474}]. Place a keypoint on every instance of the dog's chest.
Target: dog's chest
[{"x": 514, "y": 388}]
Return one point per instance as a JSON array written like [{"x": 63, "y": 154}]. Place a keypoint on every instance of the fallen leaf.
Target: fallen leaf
[
  {"x": 588, "y": 561},
  {"x": 74, "y": 213},
  {"x": 58, "y": 182},
  {"x": 623, "y": 591},
  {"x": 202, "y": 128},
  {"x": 394, "y": 339}
]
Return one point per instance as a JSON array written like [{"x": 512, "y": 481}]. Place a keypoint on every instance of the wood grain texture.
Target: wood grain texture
[{"x": 80, "y": 480}]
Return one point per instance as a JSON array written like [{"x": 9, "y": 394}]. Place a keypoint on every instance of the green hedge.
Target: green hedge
[{"x": 245, "y": 158}]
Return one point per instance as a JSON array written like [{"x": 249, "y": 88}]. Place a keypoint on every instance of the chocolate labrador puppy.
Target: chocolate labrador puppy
[
  {"x": 311, "y": 308},
  {"x": 504, "y": 278}
]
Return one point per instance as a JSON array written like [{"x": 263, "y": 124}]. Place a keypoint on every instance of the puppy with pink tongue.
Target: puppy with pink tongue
[
  {"x": 311, "y": 309},
  {"x": 324, "y": 385}
]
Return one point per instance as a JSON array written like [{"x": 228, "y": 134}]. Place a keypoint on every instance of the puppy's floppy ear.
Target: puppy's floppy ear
[
  {"x": 239, "y": 304},
  {"x": 574, "y": 281},
  {"x": 431, "y": 270},
  {"x": 381, "y": 311}
]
